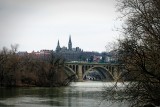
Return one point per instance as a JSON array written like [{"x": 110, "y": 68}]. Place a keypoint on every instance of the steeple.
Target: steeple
[
  {"x": 70, "y": 43},
  {"x": 58, "y": 48},
  {"x": 58, "y": 44}
]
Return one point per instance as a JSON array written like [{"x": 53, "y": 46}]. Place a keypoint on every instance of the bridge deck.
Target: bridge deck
[{"x": 89, "y": 63}]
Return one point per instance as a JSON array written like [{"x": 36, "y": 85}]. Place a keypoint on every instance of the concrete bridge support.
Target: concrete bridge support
[{"x": 80, "y": 73}]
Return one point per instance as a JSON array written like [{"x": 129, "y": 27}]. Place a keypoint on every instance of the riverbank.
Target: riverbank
[{"x": 30, "y": 85}]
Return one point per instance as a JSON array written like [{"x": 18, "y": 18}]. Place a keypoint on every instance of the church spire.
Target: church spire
[
  {"x": 70, "y": 39},
  {"x": 58, "y": 44},
  {"x": 58, "y": 48},
  {"x": 70, "y": 43}
]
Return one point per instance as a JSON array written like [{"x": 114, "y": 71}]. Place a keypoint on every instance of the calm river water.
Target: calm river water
[{"x": 79, "y": 94}]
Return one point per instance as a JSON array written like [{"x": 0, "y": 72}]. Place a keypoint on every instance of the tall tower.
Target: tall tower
[
  {"x": 70, "y": 43},
  {"x": 58, "y": 48}
]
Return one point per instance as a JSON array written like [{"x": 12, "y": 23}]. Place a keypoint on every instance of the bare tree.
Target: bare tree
[
  {"x": 29, "y": 70},
  {"x": 14, "y": 48},
  {"x": 8, "y": 67},
  {"x": 3, "y": 58},
  {"x": 139, "y": 51}
]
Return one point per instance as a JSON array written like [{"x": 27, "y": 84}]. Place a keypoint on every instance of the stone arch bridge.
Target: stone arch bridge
[{"x": 80, "y": 68}]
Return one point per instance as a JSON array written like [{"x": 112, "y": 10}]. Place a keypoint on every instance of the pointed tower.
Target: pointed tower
[
  {"x": 70, "y": 43},
  {"x": 58, "y": 48}
]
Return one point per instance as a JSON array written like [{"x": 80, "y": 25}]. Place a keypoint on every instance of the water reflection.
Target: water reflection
[{"x": 86, "y": 94}]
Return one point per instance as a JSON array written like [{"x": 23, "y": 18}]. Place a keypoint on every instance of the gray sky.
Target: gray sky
[{"x": 38, "y": 24}]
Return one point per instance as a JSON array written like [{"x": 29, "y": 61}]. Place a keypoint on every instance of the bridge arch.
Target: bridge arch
[
  {"x": 104, "y": 73},
  {"x": 69, "y": 71},
  {"x": 108, "y": 71}
]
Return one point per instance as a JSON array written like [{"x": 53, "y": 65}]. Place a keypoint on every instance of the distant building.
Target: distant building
[
  {"x": 42, "y": 54},
  {"x": 112, "y": 57},
  {"x": 22, "y": 53},
  {"x": 65, "y": 49},
  {"x": 72, "y": 54}
]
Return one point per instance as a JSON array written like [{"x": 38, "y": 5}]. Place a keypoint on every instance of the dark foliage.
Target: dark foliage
[{"x": 26, "y": 70}]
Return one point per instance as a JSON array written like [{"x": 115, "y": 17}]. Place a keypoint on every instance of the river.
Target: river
[{"x": 79, "y": 94}]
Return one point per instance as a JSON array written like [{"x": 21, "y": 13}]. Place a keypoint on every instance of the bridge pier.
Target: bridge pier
[{"x": 80, "y": 73}]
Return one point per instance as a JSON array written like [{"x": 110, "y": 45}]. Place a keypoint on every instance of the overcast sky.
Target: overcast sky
[{"x": 38, "y": 24}]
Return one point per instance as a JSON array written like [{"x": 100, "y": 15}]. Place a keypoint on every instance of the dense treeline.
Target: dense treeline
[{"x": 28, "y": 71}]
